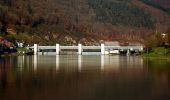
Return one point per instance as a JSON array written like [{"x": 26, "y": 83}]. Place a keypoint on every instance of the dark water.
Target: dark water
[{"x": 84, "y": 78}]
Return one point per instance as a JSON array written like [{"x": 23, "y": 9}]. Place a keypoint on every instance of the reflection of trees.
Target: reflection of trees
[
  {"x": 161, "y": 88},
  {"x": 160, "y": 72}
]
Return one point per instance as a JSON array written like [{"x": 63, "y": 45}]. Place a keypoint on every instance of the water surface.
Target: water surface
[{"x": 71, "y": 77}]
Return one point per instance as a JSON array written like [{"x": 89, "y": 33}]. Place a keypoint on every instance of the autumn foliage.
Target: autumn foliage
[{"x": 130, "y": 20}]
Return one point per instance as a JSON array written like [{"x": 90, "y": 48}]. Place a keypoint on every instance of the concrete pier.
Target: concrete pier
[
  {"x": 57, "y": 49},
  {"x": 79, "y": 49},
  {"x": 35, "y": 49},
  {"x": 102, "y": 49}
]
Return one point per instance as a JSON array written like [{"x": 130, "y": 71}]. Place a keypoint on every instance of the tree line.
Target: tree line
[{"x": 158, "y": 39}]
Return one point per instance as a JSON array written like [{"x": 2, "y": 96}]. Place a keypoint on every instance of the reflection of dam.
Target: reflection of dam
[
  {"x": 82, "y": 62},
  {"x": 78, "y": 63},
  {"x": 35, "y": 62}
]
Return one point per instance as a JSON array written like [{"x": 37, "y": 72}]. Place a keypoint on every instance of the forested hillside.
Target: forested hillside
[
  {"x": 121, "y": 13},
  {"x": 82, "y": 20}
]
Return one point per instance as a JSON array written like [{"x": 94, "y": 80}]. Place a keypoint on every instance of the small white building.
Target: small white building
[
  {"x": 136, "y": 44},
  {"x": 112, "y": 51}
]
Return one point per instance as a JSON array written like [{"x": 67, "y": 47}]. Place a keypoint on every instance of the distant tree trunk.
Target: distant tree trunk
[
  {"x": 4, "y": 24},
  {"x": 3, "y": 19},
  {"x": 147, "y": 50},
  {"x": 4, "y": 29},
  {"x": 168, "y": 34},
  {"x": 8, "y": 2}
]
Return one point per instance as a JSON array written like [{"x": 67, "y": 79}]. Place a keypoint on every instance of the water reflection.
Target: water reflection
[
  {"x": 79, "y": 62},
  {"x": 102, "y": 62},
  {"x": 57, "y": 62},
  {"x": 35, "y": 62},
  {"x": 160, "y": 70},
  {"x": 21, "y": 60},
  {"x": 84, "y": 78}
]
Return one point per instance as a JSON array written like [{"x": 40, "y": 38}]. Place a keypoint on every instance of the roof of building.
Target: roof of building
[
  {"x": 135, "y": 44},
  {"x": 112, "y": 43}
]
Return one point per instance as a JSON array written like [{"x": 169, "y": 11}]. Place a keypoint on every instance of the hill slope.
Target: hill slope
[
  {"x": 78, "y": 19},
  {"x": 162, "y": 4}
]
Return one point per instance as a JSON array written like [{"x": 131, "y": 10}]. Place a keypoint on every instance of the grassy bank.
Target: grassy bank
[{"x": 158, "y": 52}]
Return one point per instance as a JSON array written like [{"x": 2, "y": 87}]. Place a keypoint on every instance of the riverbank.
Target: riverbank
[
  {"x": 18, "y": 52},
  {"x": 157, "y": 53}
]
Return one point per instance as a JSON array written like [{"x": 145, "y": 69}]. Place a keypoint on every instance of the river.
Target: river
[{"x": 84, "y": 77}]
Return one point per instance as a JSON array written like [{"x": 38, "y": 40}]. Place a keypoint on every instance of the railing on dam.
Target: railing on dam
[{"x": 80, "y": 48}]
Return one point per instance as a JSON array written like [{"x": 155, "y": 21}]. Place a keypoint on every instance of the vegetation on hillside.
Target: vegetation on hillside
[
  {"x": 121, "y": 13},
  {"x": 51, "y": 21}
]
